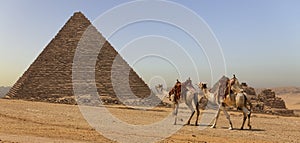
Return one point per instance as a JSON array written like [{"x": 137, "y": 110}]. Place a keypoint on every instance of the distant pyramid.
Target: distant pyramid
[{"x": 49, "y": 77}]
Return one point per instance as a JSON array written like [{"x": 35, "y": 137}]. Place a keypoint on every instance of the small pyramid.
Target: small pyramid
[{"x": 49, "y": 77}]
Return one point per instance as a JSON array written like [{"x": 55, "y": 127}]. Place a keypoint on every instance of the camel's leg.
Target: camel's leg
[
  {"x": 228, "y": 117},
  {"x": 198, "y": 113},
  {"x": 189, "y": 121},
  {"x": 247, "y": 113},
  {"x": 193, "y": 112},
  {"x": 244, "y": 118},
  {"x": 216, "y": 117},
  {"x": 196, "y": 103},
  {"x": 176, "y": 106},
  {"x": 250, "y": 127}
]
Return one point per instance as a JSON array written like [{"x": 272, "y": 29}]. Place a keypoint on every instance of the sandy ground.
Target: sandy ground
[{"x": 23, "y": 121}]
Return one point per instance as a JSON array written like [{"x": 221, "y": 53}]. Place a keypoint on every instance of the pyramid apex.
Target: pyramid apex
[{"x": 78, "y": 13}]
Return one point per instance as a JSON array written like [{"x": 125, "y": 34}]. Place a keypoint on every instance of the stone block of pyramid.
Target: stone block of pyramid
[{"x": 49, "y": 77}]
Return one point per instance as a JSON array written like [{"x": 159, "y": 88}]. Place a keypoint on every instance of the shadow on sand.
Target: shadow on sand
[
  {"x": 131, "y": 108},
  {"x": 236, "y": 129},
  {"x": 246, "y": 129}
]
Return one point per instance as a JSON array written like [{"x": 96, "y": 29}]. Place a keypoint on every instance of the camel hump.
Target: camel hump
[{"x": 223, "y": 83}]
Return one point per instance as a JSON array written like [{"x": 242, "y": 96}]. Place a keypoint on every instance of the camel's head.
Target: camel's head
[
  {"x": 188, "y": 82},
  {"x": 202, "y": 85},
  {"x": 159, "y": 89},
  {"x": 161, "y": 92},
  {"x": 160, "y": 85}
]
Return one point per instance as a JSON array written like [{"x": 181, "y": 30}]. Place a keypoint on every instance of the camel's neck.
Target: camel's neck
[
  {"x": 210, "y": 96},
  {"x": 206, "y": 92}
]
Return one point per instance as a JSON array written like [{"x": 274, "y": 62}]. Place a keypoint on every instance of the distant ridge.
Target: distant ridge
[{"x": 49, "y": 77}]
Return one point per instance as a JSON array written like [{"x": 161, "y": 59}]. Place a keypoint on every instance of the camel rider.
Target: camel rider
[
  {"x": 234, "y": 86},
  {"x": 176, "y": 90}
]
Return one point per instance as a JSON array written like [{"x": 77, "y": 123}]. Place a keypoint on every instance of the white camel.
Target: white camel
[
  {"x": 185, "y": 93},
  {"x": 233, "y": 96}
]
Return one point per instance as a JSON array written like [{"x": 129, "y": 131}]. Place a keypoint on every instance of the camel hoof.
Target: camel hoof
[
  {"x": 230, "y": 128},
  {"x": 241, "y": 128},
  {"x": 196, "y": 125},
  {"x": 213, "y": 127},
  {"x": 250, "y": 127}
]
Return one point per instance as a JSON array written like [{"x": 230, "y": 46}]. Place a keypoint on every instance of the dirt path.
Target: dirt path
[{"x": 22, "y": 121}]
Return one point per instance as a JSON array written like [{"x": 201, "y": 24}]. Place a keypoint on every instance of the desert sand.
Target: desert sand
[
  {"x": 25, "y": 121},
  {"x": 292, "y": 101}
]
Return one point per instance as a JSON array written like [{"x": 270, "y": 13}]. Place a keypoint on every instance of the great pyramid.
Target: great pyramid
[{"x": 49, "y": 77}]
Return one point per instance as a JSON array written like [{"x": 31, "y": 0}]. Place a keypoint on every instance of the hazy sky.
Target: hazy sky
[{"x": 260, "y": 39}]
